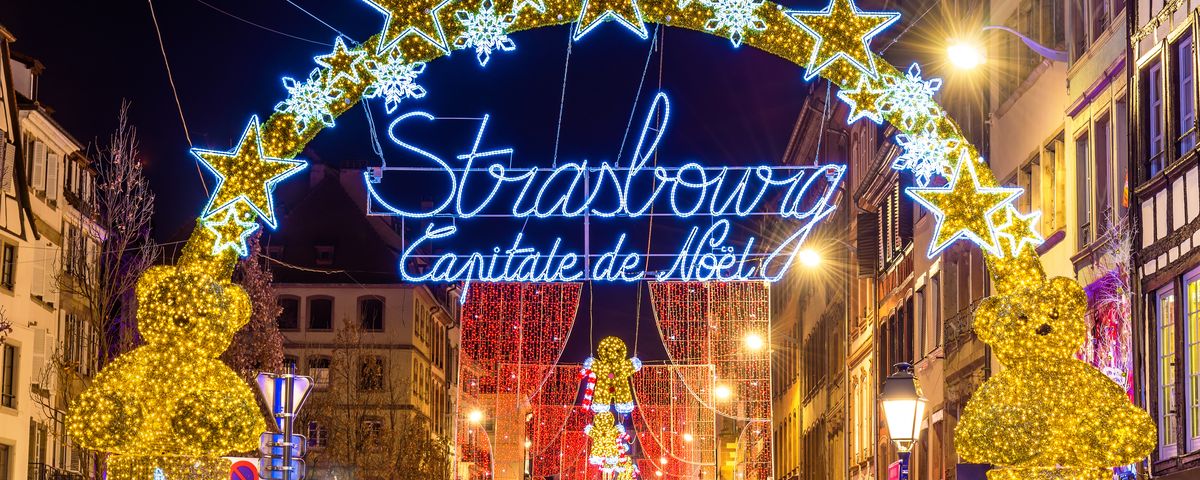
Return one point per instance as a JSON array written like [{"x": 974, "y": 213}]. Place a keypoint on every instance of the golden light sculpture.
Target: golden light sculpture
[
  {"x": 613, "y": 370},
  {"x": 1046, "y": 416},
  {"x": 605, "y": 435},
  {"x": 171, "y": 404}
]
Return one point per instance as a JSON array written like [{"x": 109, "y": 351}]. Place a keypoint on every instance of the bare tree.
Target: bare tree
[
  {"x": 258, "y": 346},
  {"x": 118, "y": 217},
  {"x": 369, "y": 430},
  {"x": 5, "y": 325}
]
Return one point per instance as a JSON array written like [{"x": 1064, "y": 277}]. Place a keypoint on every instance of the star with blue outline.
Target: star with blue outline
[
  {"x": 862, "y": 101},
  {"x": 231, "y": 231},
  {"x": 841, "y": 31},
  {"x": 423, "y": 11},
  {"x": 625, "y": 12},
  {"x": 1020, "y": 230},
  {"x": 342, "y": 62},
  {"x": 963, "y": 209},
  {"x": 246, "y": 173},
  {"x": 519, "y": 5}
]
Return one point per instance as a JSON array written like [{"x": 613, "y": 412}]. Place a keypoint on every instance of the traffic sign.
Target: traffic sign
[
  {"x": 243, "y": 470},
  {"x": 272, "y": 468},
  {"x": 273, "y": 389}
]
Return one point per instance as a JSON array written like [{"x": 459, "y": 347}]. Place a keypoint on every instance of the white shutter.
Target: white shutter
[
  {"x": 37, "y": 180},
  {"x": 37, "y": 282},
  {"x": 39, "y": 356},
  {"x": 52, "y": 168},
  {"x": 10, "y": 160}
]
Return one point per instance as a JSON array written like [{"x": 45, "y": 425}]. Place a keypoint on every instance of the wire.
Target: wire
[
  {"x": 269, "y": 29},
  {"x": 178, "y": 105},
  {"x": 314, "y": 17},
  {"x": 562, "y": 101}
]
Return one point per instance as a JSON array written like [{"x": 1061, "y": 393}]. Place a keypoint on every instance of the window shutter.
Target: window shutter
[
  {"x": 10, "y": 160},
  {"x": 39, "y": 355},
  {"x": 906, "y": 213},
  {"x": 37, "y": 283},
  {"x": 52, "y": 168},
  {"x": 868, "y": 243},
  {"x": 38, "y": 177}
]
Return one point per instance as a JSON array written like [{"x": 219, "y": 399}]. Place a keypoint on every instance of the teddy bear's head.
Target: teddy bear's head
[
  {"x": 1046, "y": 321},
  {"x": 186, "y": 305},
  {"x": 611, "y": 349}
]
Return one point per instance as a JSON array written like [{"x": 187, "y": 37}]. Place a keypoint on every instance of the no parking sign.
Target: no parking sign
[{"x": 244, "y": 470}]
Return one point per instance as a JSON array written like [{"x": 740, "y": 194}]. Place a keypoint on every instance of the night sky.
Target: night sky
[{"x": 730, "y": 106}]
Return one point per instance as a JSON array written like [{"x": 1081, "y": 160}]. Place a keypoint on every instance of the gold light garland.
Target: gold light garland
[{"x": 171, "y": 402}]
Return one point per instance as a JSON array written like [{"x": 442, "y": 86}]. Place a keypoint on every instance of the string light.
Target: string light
[
  {"x": 735, "y": 17},
  {"x": 963, "y": 208},
  {"x": 403, "y": 18},
  {"x": 863, "y": 100},
  {"x": 926, "y": 154},
  {"x": 344, "y": 63},
  {"x": 1020, "y": 230},
  {"x": 485, "y": 31},
  {"x": 231, "y": 231},
  {"x": 395, "y": 80},
  {"x": 910, "y": 98},
  {"x": 309, "y": 102},
  {"x": 841, "y": 32}
]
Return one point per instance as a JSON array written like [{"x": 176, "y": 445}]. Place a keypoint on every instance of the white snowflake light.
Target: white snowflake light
[
  {"x": 486, "y": 31},
  {"x": 926, "y": 153},
  {"x": 911, "y": 97},
  {"x": 309, "y": 101},
  {"x": 395, "y": 80},
  {"x": 735, "y": 17}
]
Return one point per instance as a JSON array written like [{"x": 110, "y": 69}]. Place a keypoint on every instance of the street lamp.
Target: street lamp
[
  {"x": 475, "y": 417},
  {"x": 809, "y": 258},
  {"x": 903, "y": 409},
  {"x": 754, "y": 342},
  {"x": 722, "y": 393},
  {"x": 966, "y": 55}
]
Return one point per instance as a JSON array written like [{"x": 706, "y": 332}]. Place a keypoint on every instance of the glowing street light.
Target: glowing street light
[
  {"x": 722, "y": 393},
  {"x": 809, "y": 258},
  {"x": 475, "y": 417},
  {"x": 965, "y": 55},
  {"x": 754, "y": 342},
  {"x": 687, "y": 438}
]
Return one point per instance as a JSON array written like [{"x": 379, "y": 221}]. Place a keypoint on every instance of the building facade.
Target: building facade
[{"x": 382, "y": 354}]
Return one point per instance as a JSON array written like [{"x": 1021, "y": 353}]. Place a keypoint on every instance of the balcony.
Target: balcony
[{"x": 41, "y": 471}]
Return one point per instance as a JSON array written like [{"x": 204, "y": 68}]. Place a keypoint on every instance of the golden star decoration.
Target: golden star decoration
[
  {"x": 625, "y": 12},
  {"x": 231, "y": 231},
  {"x": 862, "y": 100},
  {"x": 424, "y": 15},
  {"x": 519, "y": 5},
  {"x": 964, "y": 208},
  {"x": 1020, "y": 230},
  {"x": 841, "y": 31},
  {"x": 246, "y": 174},
  {"x": 343, "y": 62}
]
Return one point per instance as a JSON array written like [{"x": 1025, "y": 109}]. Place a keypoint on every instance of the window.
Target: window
[
  {"x": 1167, "y": 427},
  {"x": 8, "y": 384},
  {"x": 5, "y": 462},
  {"x": 1100, "y": 176},
  {"x": 370, "y": 374},
  {"x": 370, "y": 313},
  {"x": 1121, "y": 157},
  {"x": 8, "y": 268},
  {"x": 936, "y": 293},
  {"x": 324, "y": 255},
  {"x": 1191, "y": 304},
  {"x": 289, "y": 313},
  {"x": 318, "y": 435},
  {"x": 318, "y": 369},
  {"x": 1155, "y": 160},
  {"x": 1185, "y": 96},
  {"x": 919, "y": 321},
  {"x": 372, "y": 429},
  {"x": 320, "y": 313},
  {"x": 1083, "y": 193},
  {"x": 1029, "y": 178},
  {"x": 1054, "y": 185}
]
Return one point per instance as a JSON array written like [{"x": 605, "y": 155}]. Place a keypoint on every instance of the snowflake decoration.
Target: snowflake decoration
[
  {"x": 910, "y": 97},
  {"x": 395, "y": 80},
  {"x": 926, "y": 153},
  {"x": 309, "y": 101},
  {"x": 735, "y": 16},
  {"x": 485, "y": 31}
]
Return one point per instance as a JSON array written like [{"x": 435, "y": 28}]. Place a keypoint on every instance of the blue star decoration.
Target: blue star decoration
[
  {"x": 424, "y": 12},
  {"x": 1020, "y": 230},
  {"x": 625, "y": 12},
  {"x": 841, "y": 31},
  {"x": 247, "y": 174},
  {"x": 519, "y": 5},
  {"x": 230, "y": 231},
  {"x": 963, "y": 209},
  {"x": 342, "y": 62},
  {"x": 862, "y": 101}
]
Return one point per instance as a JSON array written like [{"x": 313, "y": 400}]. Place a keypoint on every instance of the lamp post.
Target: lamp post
[{"x": 903, "y": 408}]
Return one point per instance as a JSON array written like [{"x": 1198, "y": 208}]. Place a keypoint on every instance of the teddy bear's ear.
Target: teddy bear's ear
[
  {"x": 1068, "y": 291},
  {"x": 988, "y": 315},
  {"x": 238, "y": 305}
]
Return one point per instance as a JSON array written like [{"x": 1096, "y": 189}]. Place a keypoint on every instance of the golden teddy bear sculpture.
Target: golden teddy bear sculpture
[
  {"x": 171, "y": 408},
  {"x": 1047, "y": 415}
]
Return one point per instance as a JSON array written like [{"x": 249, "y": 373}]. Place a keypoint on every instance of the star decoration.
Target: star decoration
[
  {"x": 841, "y": 31},
  {"x": 625, "y": 12},
  {"x": 963, "y": 208},
  {"x": 1020, "y": 230},
  {"x": 396, "y": 12},
  {"x": 343, "y": 62},
  {"x": 735, "y": 17},
  {"x": 246, "y": 174},
  {"x": 231, "y": 231},
  {"x": 862, "y": 101},
  {"x": 519, "y": 5},
  {"x": 486, "y": 31}
]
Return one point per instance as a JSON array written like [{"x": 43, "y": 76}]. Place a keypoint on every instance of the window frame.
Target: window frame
[
  {"x": 1083, "y": 176},
  {"x": 309, "y": 304},
  {"x": 10, "y": 356},
  {"x": 1155, "y": 155},
  {"x": 1178, "y": 99},
  {"x": 1166, "y": 330},
  {"x": 8, "y": 266},
  {"x": 279, "y": 320},
  {"x": 1191, "y": 322},
  {"x": 362, "y": 320}
]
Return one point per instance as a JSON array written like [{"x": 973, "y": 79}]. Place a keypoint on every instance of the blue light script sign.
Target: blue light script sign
[{"x": 483, "y": 184}]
